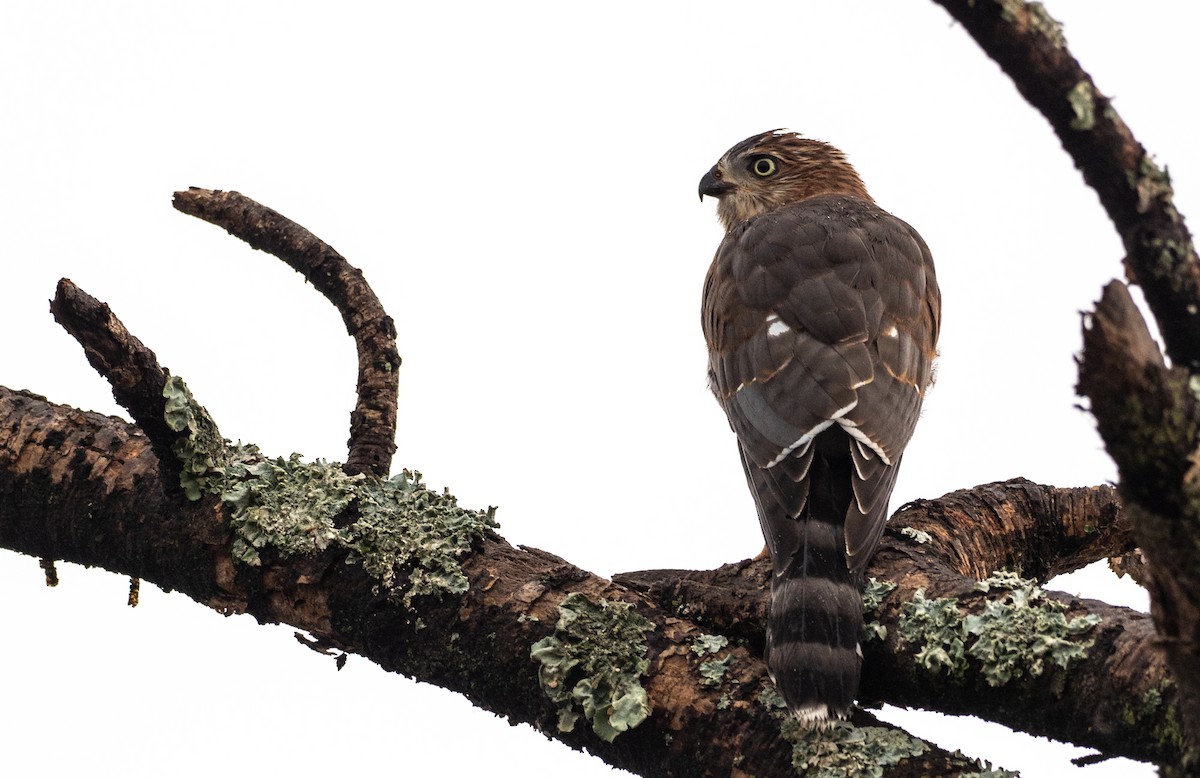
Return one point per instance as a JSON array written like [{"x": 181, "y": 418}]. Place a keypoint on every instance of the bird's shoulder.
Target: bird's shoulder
[{"x": 819, "y": 233}]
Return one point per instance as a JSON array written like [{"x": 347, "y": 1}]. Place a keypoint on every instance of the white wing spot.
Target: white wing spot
[{"x": 775, "y": 327}]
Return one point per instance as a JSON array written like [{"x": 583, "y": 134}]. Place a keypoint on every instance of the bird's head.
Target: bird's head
[{"x": 774, "y": 169}]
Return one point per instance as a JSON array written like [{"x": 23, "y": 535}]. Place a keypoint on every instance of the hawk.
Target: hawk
[{"x": 821, "y": 314}]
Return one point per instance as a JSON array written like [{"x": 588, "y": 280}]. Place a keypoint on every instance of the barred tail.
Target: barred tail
[
  {"x": 815, "y": 616},
  {"x": 813, "y": 628}
]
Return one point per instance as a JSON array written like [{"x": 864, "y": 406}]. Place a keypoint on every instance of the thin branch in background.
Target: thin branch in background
[
  {"x": 1135, "y": 191},
  {"x": 1145, "y": 410}
]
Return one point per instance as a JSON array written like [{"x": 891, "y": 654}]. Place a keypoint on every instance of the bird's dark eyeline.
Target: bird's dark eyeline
[{"x": 821, "y": 314}]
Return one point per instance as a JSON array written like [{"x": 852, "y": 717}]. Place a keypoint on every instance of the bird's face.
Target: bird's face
[{"x": 773, "y": 169}]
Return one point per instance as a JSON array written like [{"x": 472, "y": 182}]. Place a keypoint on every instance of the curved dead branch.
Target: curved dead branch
[{"x": 373, "y": 421}]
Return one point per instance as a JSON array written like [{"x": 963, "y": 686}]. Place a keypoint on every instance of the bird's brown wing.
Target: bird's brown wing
[{"x": 821, "y": 315}]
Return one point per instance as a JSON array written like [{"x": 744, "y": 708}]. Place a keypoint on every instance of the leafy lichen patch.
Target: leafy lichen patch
[
  {"x": 1014, "y": 635},
  {"x": 201, "y": 451},
  {"x": 286, "y": 504},
  {"x": 987, "y": 771},
  {"x": 1022, "y": 631},
  {"x": 712, "y": 672},
  {"x": 406, "y": 536},
  {"x": 874, "y": 594},
  {"x": 593, "y": 663},
  {"x": 1147, "y": 712},
  {"x": 915, "y": 535},
  {"x": 709, "y": 644},
  {"x": 403, "y": 525},
  {"x": 936, "y": 626},
  {"x": 1152, "y": 184},
  {"x": 1083, "y": 103},
  {"x": 772, "y": 700},
  {"x": 1038, "y": 19},
  {"x": 843, "y": 749}
]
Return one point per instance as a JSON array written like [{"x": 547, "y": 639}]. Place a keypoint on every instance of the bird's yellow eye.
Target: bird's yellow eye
[{"x": 764, "y": 166}]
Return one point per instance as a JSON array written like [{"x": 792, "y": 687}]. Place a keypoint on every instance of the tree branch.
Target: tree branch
[
  {"x": 132, "y": 370},
  {"x": 1146, "y": 413},
  {"x": 373, "y": 422},
  {"x": 1149, "y": 417},
  {"x": 939, "y": 548},
  {"x": 1029, "y": 46},
  {"x": 85, "y": 488}
]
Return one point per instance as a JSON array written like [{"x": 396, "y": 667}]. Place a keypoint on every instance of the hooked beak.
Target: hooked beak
[{"x": 712, "y": 184}]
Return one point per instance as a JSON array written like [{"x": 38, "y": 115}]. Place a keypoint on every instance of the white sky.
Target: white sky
[{"x": 518, "y": 182}]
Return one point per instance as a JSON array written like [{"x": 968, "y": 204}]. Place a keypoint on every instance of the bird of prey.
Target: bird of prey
[{"x": 821, "y": 314}]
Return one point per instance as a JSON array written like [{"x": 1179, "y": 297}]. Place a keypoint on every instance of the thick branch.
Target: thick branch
[
  {"x": 373, "y": 422},
  {"x": 84, "y": 487},
  {"x": 1122, "y": 682},
  {"x": 1028, "y": 45},
  {"x": 1035, "y": 530}
]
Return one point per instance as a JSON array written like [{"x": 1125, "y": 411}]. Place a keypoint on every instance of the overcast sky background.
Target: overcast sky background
[{"x": 518, "y": 183}]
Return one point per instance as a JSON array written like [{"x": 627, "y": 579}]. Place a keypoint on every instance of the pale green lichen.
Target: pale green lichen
[
  {"x": 915, "y": 535},
  {"x": 406, "y": 536},
  {"x": 709, "y": 644},
  {"x": 843, "y": 749},
  {"x": 712, "y": 672},
  {"x": 1024, "y": 630},
  {"x": 771, "y": 699},
  {"x": 202, "y": 452},
  {"x": 404, "y": 526},
  {"x": 987, "y": 771},
  {"x": 1049, "y": 27},
  {"x": 874, "y": 593},
  {"x": 1147, "y": 714},
  {"x": 1040, "y": 20},
  {"x": 1000, "y": 579},
  {"x": 1151, "y": 183},
  {"x": 285, "y": 504},
  {"x": 1012, "y": 636},
  {"x": 593, "y": 664},
  {"x": 1083, "y": 103},
  {"x": 936, "y": 626}
]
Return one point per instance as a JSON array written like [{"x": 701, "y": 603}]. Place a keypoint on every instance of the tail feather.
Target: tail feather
[
  {"x": 813, "y": 627},
  {"x": 815, "y": 616}
]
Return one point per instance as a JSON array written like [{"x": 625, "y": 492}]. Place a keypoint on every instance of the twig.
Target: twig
[
  {"x": 373, "y": 421},
  {"x": 131, "y": 368}
]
